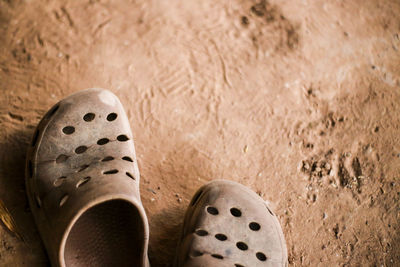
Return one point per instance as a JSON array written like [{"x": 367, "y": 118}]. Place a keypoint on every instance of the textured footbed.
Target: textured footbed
[
  {"x": 108, "y": 234},
  {"x": 227, "y": 224}
]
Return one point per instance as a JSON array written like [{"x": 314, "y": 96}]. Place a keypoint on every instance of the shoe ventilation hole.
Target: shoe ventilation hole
[
  {"x": 254, "y": 226},
  {"x": 261, "y": 256},
  {"x": 201, "y": 232},
  {"x": 63, "y": 200},
  {"x": 83, "y": 181},
  {"x": 108, "y": 158},
  {"x": 111, "y": 172},
  {"x": 197, "y": 253},
  {"x": 61, "y": 158},
  {"x": 103, "y": 141},
  {"x": 68, "y": 129},
  {"x": 217, "y": 256},
  {"x": 238, "y": 265},
  {"x": 242, "y": 246},
  {"x": 30, "y": 169},
  {"x": 81, "y": 149},
  {"x": 83, "y": 167},
  {"x": 122, "y": 138},
  {"x": 127, "y": 159},
  {"x": 89, "y": 117},
  {"x": 112, "y": 116},
  {"x": 236, "y": 212},
  {"x": 221, "y": 237},
  {"x": 212, "y": 210},
  {"x": 38, "y": 201},
  {"x": 35, "y": 138},
  {"x": 130, "y": 175},
  {"x": 196, "y": 198},
  {"x": 59, "y": 181}
]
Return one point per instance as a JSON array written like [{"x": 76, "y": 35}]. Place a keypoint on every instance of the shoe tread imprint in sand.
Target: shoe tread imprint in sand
[
  {"x": 227, "y": 224},
  {"x": 82, "y": 154}
]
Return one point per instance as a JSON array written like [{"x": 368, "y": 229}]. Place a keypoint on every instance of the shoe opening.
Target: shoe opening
[{"x": 108, "y": 234}]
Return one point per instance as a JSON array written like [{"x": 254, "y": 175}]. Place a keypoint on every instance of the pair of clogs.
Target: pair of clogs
[{"x": 82, "y": 182}]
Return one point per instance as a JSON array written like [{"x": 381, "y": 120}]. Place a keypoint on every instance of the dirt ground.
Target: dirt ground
[{"x": 299, "y": 100}]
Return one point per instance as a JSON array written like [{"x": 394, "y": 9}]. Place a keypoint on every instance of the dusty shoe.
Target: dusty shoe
[
  {"x": 227, "y": 224},
  {"x": 82, "y": 182}
]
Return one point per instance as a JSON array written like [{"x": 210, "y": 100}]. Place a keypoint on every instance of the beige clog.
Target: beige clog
[
  {"x": 227, "y": 224},
  {"x": 82, "y": 182}
]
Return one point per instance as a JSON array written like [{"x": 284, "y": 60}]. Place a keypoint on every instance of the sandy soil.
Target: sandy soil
[{"x": 299, "y": 100}]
